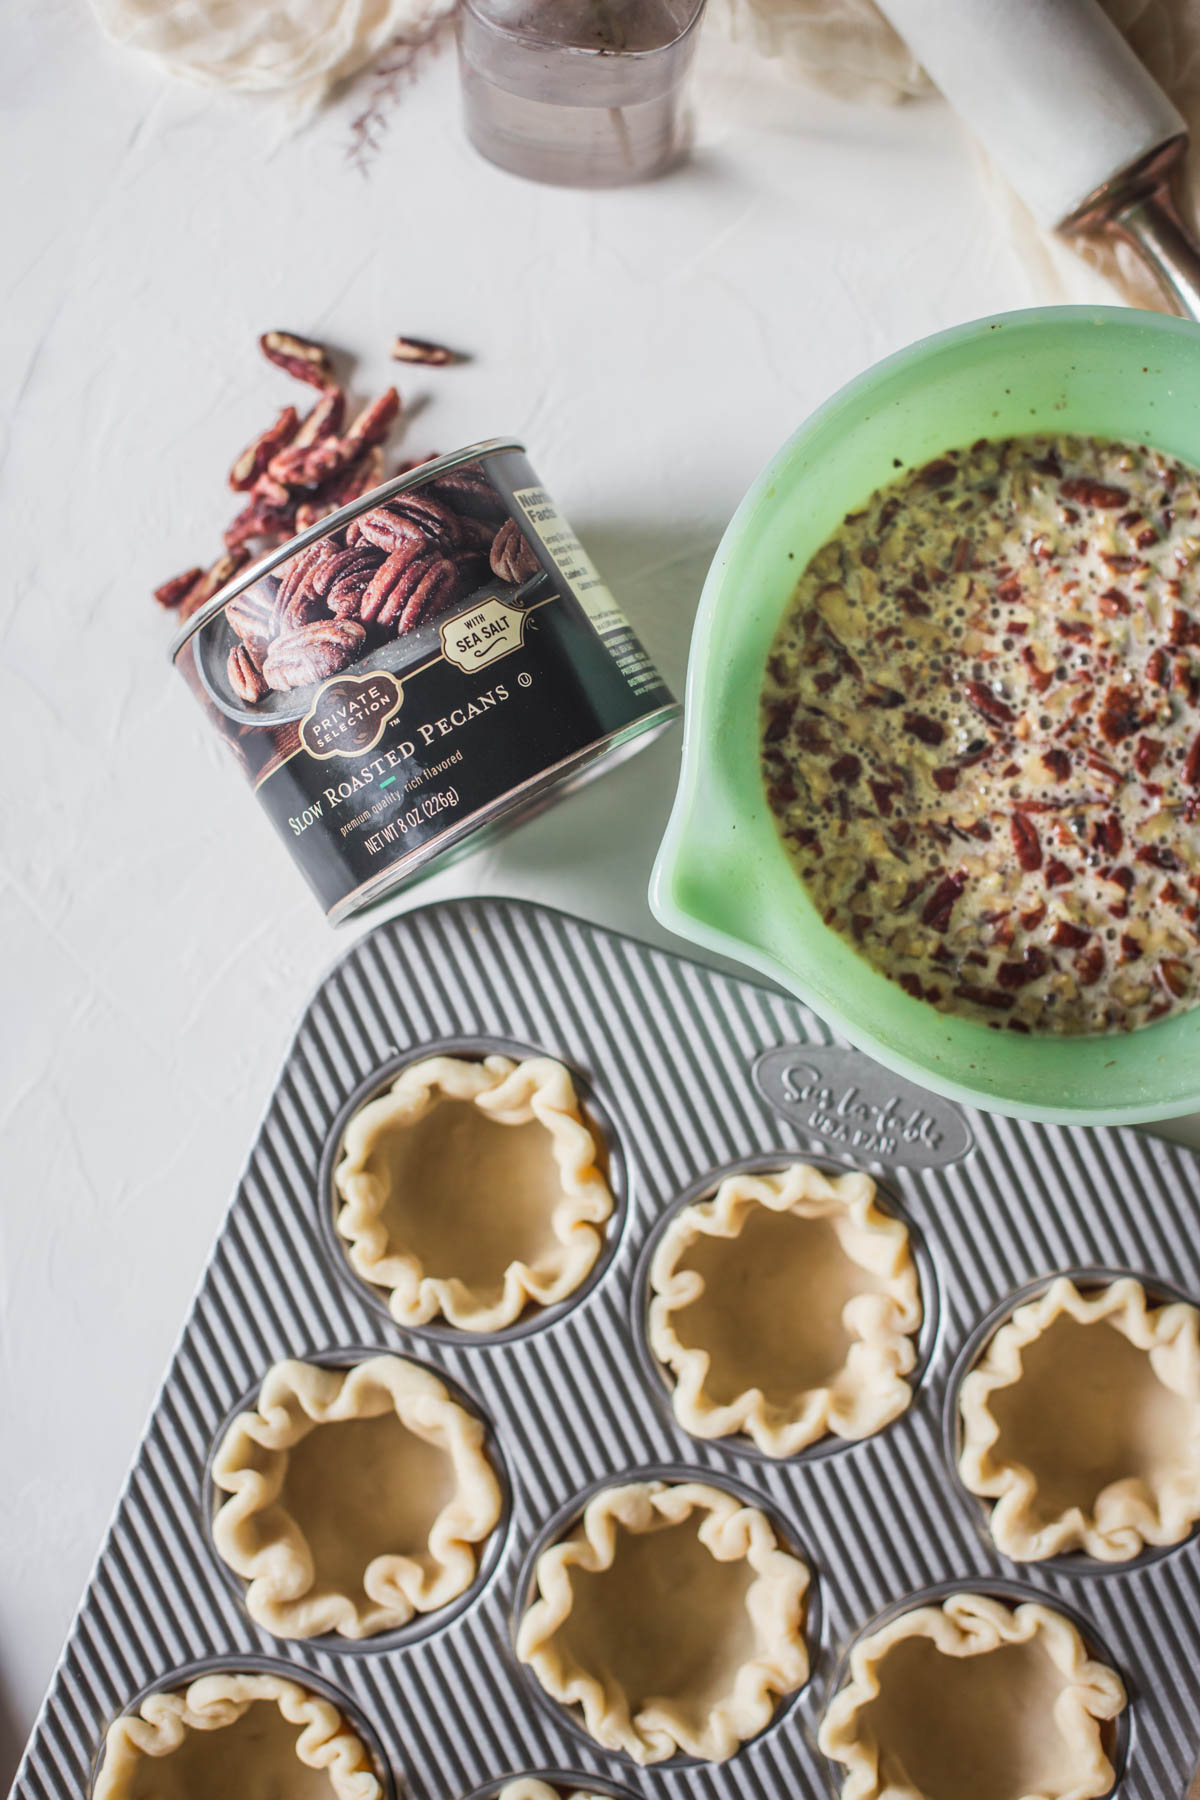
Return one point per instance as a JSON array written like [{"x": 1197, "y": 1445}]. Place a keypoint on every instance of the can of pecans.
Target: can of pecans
[{"x": 431, "y": 662}]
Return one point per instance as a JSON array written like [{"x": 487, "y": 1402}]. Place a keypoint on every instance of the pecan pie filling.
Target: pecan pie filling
[{"x": 980, "y": 732}]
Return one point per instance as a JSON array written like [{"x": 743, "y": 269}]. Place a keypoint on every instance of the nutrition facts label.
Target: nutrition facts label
[{"x": 583, "y": 578}]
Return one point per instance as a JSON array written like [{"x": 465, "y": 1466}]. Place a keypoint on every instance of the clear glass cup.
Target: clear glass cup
[{"x": 582, "y": 93}]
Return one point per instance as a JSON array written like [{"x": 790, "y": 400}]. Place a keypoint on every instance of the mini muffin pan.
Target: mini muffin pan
[{"x": 690, "y": 1074}]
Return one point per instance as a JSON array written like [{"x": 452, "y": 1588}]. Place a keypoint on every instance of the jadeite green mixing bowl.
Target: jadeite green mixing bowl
[{"x": 722, "y": 877}]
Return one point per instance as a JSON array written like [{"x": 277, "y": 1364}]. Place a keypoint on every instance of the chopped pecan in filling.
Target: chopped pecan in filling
[{"x": 981, "y": 732}]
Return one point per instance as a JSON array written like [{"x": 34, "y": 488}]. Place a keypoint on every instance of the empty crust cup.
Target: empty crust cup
[
  {"x": 235, "y": 1733},
  {"x": 472, "y": 1190},
  {"x": 1081, "y": 1422},
  {"x": 357, "y": 1498},
  {"x": 974, "y": 1700},
  {"x": 786, "y": 1308},
  {"x": 671, "y": 1617}
]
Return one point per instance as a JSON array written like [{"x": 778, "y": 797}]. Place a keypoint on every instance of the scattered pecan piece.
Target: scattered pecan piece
[
  {"x": 1086, "y": 492},
  {"x": 1058, "y": 763},
  {"x": 991, "y": 707},
  {"x": 1031, "y": 966},
  {"x": 1191, "y": 762},
  {"x": 261, "y": 518},
  {"x": 254, "y": 458},
  {"x": 1066, "y": 936},
  {"x": 1120, "y": 714},
  {"x": 512, "y": 557},
  {"x": 245, "y": 676},
  {"x": 1089, "y": 965},
  {"x": 993, "y": 997},
  {"x": 1057, "y": 872},
  {"x": 1113, "y": 603},
  {"x": 349, "y": 484},
  {"x": 1146, "y": 753},
  {"x": 1033, "y": 918},
  {"x": 1040, "y": 678},
  {"x": 846, "y": 769},
  {"x": 1026, "y": 843},
  {"x": 375, "y": 421},
  {"x": 313, "y": 653},
  {"x": 419, "y": 350},
  {"x": 174, "y": 592},
  {"x": 322, "y": 420},
  {"x": 213, "y": 580},
  {"x": 940, "y": 904},
  {"x": 301, "y": 357},
  {"x": 312, "y": 465},
  {"x": 1172, "y": 971},
  {"x": 923, "y": 728}
]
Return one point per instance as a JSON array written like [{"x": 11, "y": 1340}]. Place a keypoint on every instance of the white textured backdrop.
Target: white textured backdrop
[{"x": 653, "y": 347}]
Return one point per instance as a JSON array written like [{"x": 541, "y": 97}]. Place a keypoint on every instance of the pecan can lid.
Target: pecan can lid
[{"x": 246, "y": 578}]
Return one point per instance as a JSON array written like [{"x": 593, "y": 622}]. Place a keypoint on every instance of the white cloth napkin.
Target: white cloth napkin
[{"x": 303, "y": 48}]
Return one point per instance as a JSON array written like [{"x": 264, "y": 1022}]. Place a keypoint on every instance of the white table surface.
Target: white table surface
[{"x": 652, "y": 346}]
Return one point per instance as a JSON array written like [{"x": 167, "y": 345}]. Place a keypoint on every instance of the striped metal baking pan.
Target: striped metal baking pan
[{"x": 693, "y": 1073}]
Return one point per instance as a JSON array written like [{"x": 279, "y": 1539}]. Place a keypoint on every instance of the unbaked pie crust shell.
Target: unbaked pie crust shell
[
  {"x": 869, "y": 1389},
  {"x": 973, "y": 1625},
  {"x": 164, "y": 1722},
  {"x": 537, "y": 1091},
  {"x": 529, "y": 1787},
  {"x": 261, "y": 1541},
  {"x": 1149, "y": 1506},
  {"x": 773, "y": 1604}
]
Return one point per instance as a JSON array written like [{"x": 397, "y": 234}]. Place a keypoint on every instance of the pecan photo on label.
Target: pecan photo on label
[
  {"x": 312, "y": 654},
  {"x": 512, "y": 558}
]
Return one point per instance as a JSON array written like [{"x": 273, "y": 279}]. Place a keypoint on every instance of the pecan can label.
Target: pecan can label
[{"x": 436, "y": 665}]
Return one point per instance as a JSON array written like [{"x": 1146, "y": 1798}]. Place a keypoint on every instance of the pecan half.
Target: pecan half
[
  {"x": 512, "y": 558},
  {"x": 940, "y": 904},
  {"x": 1086, "y": 492},
  {"x": 389, "y": 529},
  {"x": 1120, "y": 714},
  {"x": 439, "y": 524},
  {"x": 350, "y": 484},
  {"x": 313, "y": 653},
  {"x": 468, "y": 493},
  {"x": 174, "y": 592},
  {"x": 344, "y": 578},
  {"x": 323, "y": 420},
  {"x": 310, "y": 466},
  {"x": 253, "y": 619},
  {"x": 245, "y": 676},
  {"x": 1026, "y": 843},
  {"x": 213, "y": 580},
  {"x": 296, "y": 603},
  {"x": 261, "y": 518},
  {"x": 301, "y": 357},
  {"x": 420, "y": 350},
  {"x": 375, "y": 421},
  {"x": 925, "y": 729},
  {"x": 426, "y": 588},
  {"x": 255, "y": 457},
  {"x": 988, "y": 704},
  {"x": 381, "y": 589}
]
